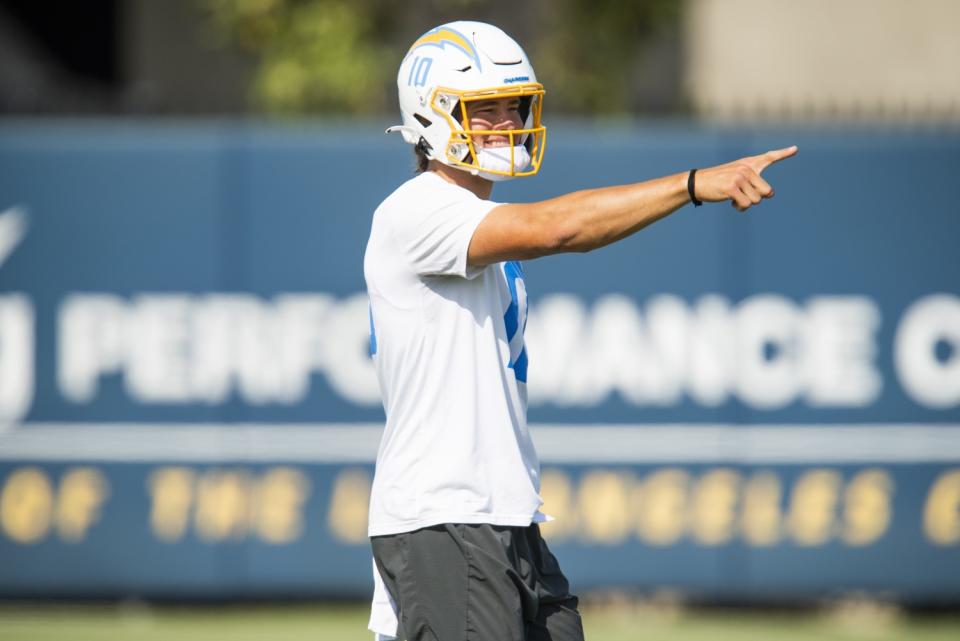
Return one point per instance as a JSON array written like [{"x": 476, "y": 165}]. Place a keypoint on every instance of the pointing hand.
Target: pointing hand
[{"x": 739, "y": 181}]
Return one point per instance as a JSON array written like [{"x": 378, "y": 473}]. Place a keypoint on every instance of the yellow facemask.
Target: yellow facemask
[{"x": 461, "y": 149}]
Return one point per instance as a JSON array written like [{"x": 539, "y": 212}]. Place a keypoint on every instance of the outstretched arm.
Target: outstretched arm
[{"x": 585, "y": 220}]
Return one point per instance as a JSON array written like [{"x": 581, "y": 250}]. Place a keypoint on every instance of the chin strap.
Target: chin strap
[
  {"x": 400, "y": 128},
  {"x": 409, "y": 134},
  {"x": 413, "y": 137}
]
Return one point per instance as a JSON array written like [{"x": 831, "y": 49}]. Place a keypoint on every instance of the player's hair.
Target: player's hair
[{"x": 422, "y": 161}]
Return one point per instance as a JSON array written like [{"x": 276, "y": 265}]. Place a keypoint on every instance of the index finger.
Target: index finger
[{"x": 776, "y": 155}]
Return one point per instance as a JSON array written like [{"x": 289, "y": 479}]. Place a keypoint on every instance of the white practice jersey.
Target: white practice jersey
[{"x": 447, "y": 340}]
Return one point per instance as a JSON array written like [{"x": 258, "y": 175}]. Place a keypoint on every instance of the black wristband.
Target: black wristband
[{"x": 691, "y": 188}]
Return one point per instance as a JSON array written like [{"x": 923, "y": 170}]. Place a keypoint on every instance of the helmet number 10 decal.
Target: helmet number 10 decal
[{"x": 418, "y": 72}]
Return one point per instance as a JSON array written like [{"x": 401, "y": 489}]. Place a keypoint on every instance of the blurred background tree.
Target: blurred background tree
[
  {"x": 341, "y": 56},
  {"x": 607, "y": 58},
  {"x": 591, "y": 52}
]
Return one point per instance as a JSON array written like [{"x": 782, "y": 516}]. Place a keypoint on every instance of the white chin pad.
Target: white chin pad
[{"x": 498, "y": 159}]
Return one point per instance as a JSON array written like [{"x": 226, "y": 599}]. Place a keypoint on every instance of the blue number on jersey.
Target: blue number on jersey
[
  {"x": 373, "y": 334},
  {"x": 515, "y": 320}
]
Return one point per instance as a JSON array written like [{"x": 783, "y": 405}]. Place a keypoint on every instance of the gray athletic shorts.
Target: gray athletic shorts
[{"x": 456, "y": 582}]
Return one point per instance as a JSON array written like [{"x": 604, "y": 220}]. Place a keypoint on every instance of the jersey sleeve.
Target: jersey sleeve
[{"x": 435, "y": 237}]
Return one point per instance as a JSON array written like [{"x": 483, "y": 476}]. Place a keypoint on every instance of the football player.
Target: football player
[{"x": 455, "y": 504}]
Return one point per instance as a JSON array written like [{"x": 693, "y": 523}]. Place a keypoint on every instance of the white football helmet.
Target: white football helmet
[{"x": 452, "y": 65}]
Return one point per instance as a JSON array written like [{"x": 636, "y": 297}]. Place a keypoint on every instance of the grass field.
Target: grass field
[{"x": 138, "y": 622}]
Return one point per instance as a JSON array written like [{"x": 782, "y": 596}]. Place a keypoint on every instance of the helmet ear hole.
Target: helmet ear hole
[
  {"x": 424, "y": 146},
  {"x": 423, "y": 121}
]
